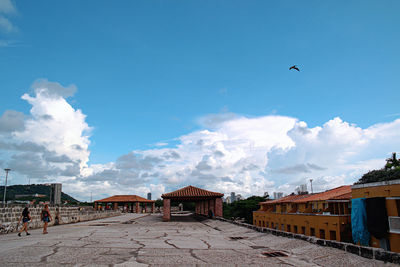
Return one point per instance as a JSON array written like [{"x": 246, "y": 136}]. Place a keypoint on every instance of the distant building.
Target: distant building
[
  {"x": 301, "y": 189},
  {"x": 149, "y": 196},
  {"x": 233, "y": 197},
  {"x": 239, "y": 197},
  {"x": 278, "y": 195},
  {"x": 55, "y": 194}
]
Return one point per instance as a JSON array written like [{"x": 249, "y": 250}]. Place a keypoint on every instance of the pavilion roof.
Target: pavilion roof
[
  {"x": 191, "y": 192},
  {"x": 124, "y": 198}
]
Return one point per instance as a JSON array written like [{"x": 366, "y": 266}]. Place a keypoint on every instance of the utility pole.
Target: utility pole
[
  {"x": 311, "y": 185},
  {"x": 5, "y": 186}
]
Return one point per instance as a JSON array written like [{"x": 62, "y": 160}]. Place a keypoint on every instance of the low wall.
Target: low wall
[
  {"x": 366, "y": 252},
  {"x": 9, "y": 216}
]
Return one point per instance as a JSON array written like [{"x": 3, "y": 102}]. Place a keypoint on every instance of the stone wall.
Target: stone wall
[
  {"x": 9, "y": 216},
  {"x": 366, "y": 252}
]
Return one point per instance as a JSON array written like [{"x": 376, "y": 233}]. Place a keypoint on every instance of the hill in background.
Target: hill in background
[{"x": 40, "y": 192}]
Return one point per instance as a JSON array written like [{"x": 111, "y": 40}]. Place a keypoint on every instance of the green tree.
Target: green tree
[{"x": 243, "y": 208}]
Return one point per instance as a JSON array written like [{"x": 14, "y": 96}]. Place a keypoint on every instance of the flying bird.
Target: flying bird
[{"x": 294, "y": 68}]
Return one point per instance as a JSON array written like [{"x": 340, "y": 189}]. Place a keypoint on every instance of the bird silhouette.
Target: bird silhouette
[{"x": 294, "y": 68}]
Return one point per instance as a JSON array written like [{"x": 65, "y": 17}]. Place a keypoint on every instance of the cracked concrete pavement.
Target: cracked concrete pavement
[{"x": 144, "y": 240}]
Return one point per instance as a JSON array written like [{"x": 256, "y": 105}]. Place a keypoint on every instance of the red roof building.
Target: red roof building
[
  {"x": 128, "y": 202},
  {"x": 207, "y": 202}
]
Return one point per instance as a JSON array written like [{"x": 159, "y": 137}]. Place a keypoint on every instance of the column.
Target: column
[
  {"x": 115, "y": 206},
  {"x": 206, "y": 207},
  {"x": 167, "y": 210},
  {"x": 153, "y": 207},
  {"x": 137, "y": 207},
  {"x": 218, "y": 207},
  {"x": 211, "y": 204},
  {"x": 95, "y": 206},
  {"x": 131, "y": 207}
]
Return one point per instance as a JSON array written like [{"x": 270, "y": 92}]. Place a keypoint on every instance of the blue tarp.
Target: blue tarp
[{"x": 359, "y": 221}]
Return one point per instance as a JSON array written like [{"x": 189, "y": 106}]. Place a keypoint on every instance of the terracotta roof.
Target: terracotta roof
[
  {"x": 329, "y": 194},
  {"x": 124, "y": 198},
  {"x": 346, "y": 196},
  {"x": 190, "y": 192},
  {"x": 286, "y": 199}
]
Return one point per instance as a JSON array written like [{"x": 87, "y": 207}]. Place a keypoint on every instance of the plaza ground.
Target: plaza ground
[{"x": 145, "y": 240}]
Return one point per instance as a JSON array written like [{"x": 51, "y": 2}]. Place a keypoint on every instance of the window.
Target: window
[
  {"x": 272, "y": 225},
  {"x": 303, "y": 230},
  {"x": 263, "y": 223},
  {"x": 322, "y": 233},
  {"x": 288, "y": 228},
  {"x": 312, "y": 231},
  {"x": 332, "y": 235},
  {"x": 295, "y": 229},
  {"x": 267, "y": 224},
  {"x": 282, "y": 227}
]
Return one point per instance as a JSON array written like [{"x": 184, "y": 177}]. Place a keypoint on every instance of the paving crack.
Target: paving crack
[
  {"x": 166, "y": 242},
  {"x": 195, "y": 256},
  {"x": 205, "y": 242},
  {"x": 44, "y": 258}
]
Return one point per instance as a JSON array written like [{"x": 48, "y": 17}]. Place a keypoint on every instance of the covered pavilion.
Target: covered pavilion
[
  {"x": 129, "y": 202},
  {"x": 205, "y": 201}
]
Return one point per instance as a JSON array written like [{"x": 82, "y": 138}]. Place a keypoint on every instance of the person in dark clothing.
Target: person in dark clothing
[
  {"x": 46, "y": 217},
  {"x": 25, "y": 217}
]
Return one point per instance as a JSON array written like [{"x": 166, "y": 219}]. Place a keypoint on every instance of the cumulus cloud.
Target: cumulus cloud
[
  {"x": 6, "y": 26},
  {"x": 231, "y": 153},
  {"x": 7, "y": 7}
]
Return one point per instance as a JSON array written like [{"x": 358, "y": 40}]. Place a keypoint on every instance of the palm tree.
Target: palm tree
[{"x": 392, "y": 162}]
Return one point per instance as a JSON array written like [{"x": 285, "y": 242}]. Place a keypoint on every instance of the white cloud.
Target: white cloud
[
  {"x": 232, "y": 153},
  {"x": 7, "y": 7},
  {"x": 6, "y": 26}
]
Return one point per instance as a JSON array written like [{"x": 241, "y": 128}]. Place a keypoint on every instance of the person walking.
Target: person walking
[
  {"x": 25, "y": 217},
  {"x": 46, "y": 217}
]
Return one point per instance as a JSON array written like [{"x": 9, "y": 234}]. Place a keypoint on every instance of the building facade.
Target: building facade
[
  {"x": 390, "y": 191},
  {"x": 324, "y": 215}
]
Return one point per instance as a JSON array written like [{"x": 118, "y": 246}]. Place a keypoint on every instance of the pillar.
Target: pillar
[
  {"x": 153, "y": 207},
  {"x": 218, "y": 207},
  {"x": 212, "y": 205},
  {"x": 115, "y": 206},
  {"x": 132, "y": 207},
  {"x": 95, "y": 206},
  {"x": 206, "y": 207},
  {"x": 137, "y": 207},
  {"x": 167, "y": 210}
]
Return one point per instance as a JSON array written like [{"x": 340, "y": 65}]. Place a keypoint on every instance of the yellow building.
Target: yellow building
[
  {"x": 325, "y": 215},
  {"x": 391, "y": 191}
]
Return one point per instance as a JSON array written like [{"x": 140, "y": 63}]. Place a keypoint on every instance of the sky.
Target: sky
[{"x": 132, "y": 97}]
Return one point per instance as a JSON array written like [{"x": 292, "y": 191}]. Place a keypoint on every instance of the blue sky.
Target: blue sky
[{"x": 150, "y": 72}]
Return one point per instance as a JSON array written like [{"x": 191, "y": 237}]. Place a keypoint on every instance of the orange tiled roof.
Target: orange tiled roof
[
  {"x": 191, "y": 191},
  {"x": 329, "y": 194},
  {"x": 346, "y": 196},
  {"x": 124, "y": 198},
  {"x": 286, "y": 199}
]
